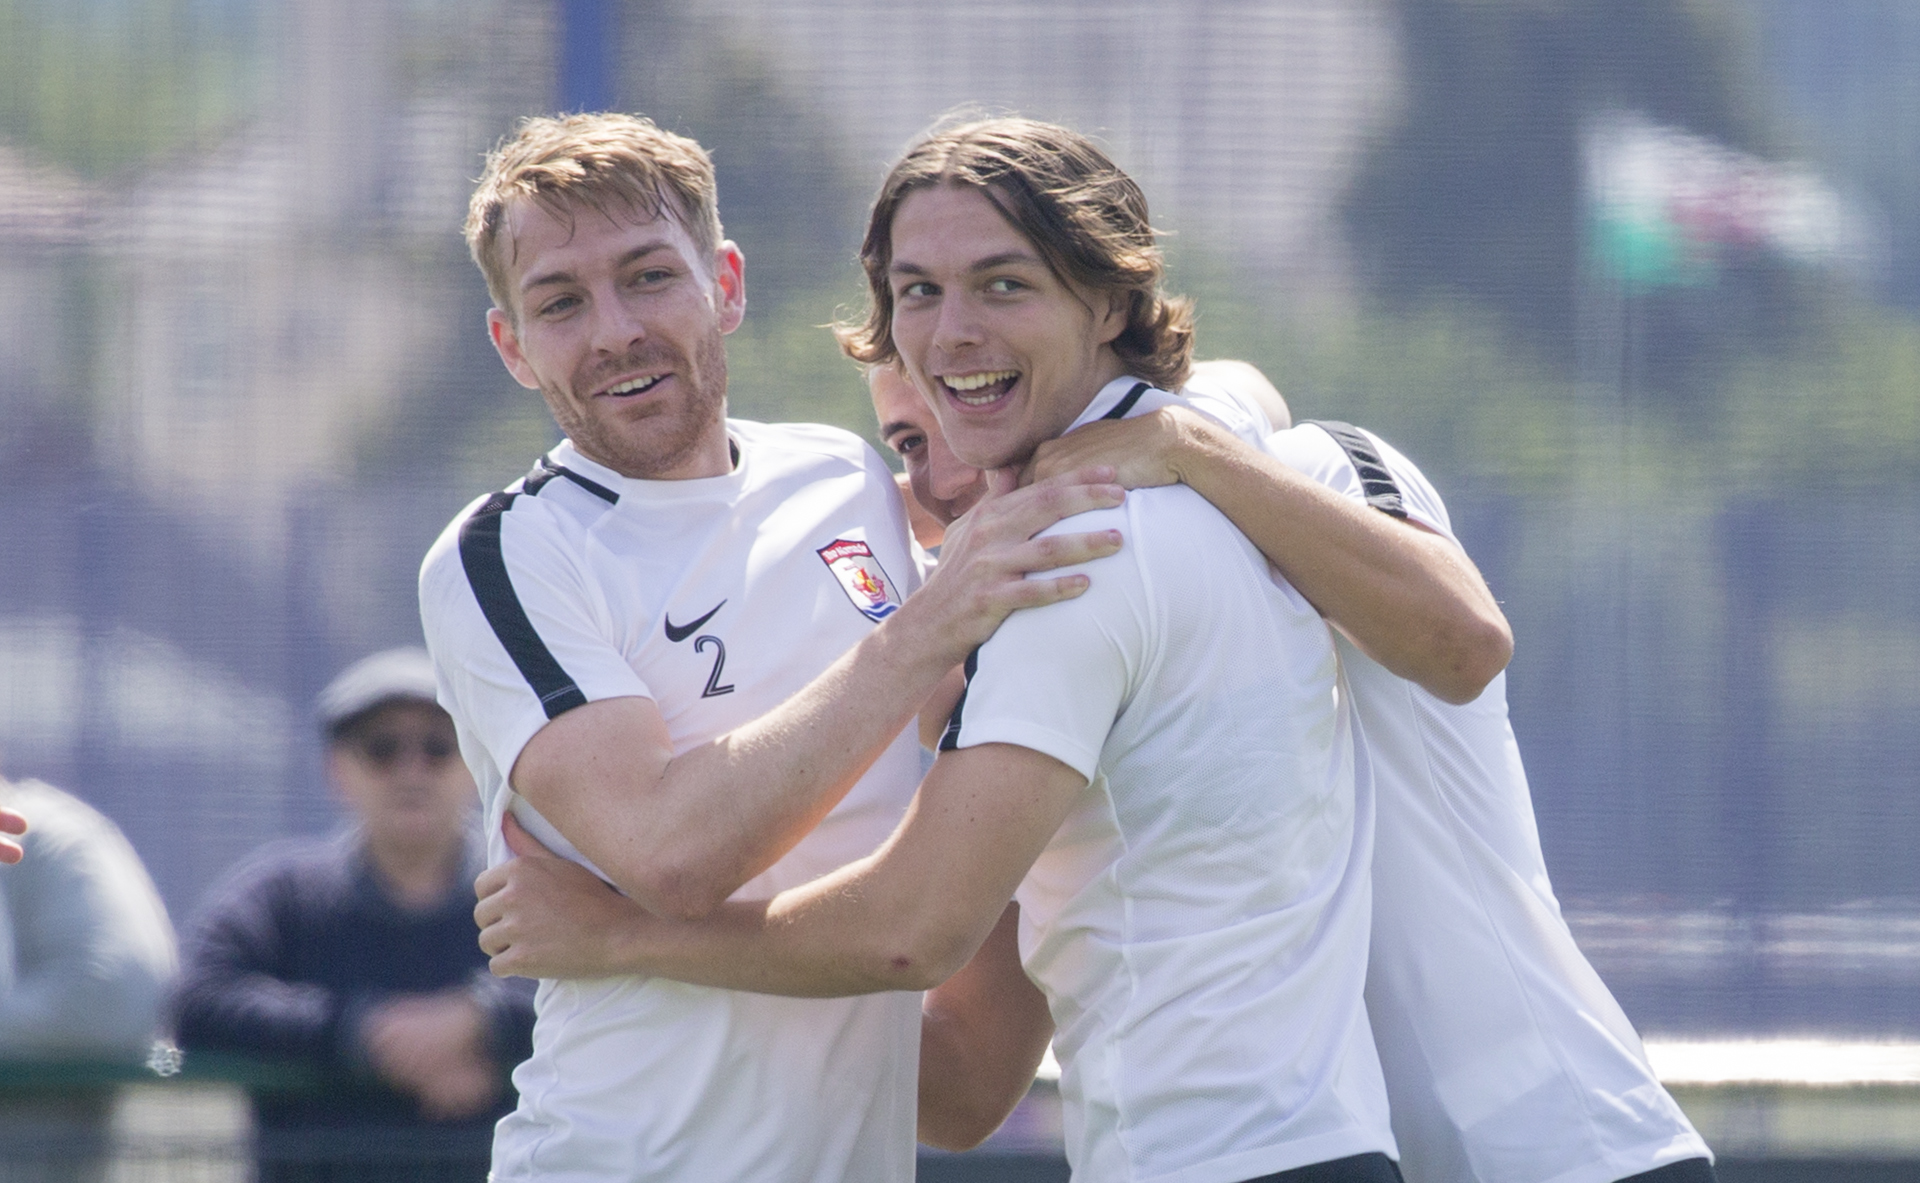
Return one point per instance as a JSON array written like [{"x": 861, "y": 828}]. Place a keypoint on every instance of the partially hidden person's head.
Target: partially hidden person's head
[
  {"x": 1012, "y": 271},
  {"x": 943, "y": 486},
  {"x": 599, "y": 236},
  {"x": 391, "y": 752}
]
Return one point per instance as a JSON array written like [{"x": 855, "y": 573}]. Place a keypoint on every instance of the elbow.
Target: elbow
[
  {"x": 922, "y": 960},
  {"x": 673, "y": 889},
  {"x": 686, "y": 898},
  {"x": 900, "y": 968},
  {"x": 1477, "y": 655},
  {"x": 957, "y": 1128}
]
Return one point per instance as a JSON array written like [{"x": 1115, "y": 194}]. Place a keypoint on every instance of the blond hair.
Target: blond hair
[
  {"x": 1086, "y": 218},
  {"x": 606, "y": 162}
]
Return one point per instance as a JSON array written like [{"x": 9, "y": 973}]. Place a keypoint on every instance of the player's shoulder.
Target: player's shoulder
[
  {"x": 1173, "y": 520},
  {"x": 1117, "y": 517},
  {"x": 1227, "y": 406},
  {"x": 552, "y": 502},
  {"x": 1147, "y": 515},
  {"x": 1176, "y": 507},
  {"x": 1360, "y": 464}
]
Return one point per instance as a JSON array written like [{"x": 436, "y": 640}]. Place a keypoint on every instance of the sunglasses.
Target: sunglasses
[{"x": 387, "y": 751}]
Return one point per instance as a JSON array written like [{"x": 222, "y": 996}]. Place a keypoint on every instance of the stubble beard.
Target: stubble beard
[{"x": 660, "y": 444}]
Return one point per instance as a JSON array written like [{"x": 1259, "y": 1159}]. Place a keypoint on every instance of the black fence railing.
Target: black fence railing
[{"x": 189, "y": 1122}]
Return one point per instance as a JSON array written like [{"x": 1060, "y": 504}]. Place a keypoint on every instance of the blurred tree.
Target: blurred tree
[
  {"x": 1478, "y": 190},
  {"x": 1846, "y": 74},
  {"x": 788, "y": 192},
  {"x": 99, "y": 85}
]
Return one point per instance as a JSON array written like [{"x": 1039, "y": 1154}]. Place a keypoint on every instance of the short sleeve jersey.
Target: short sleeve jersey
[
  {"x": 1199, "y": 922},
  {"x": 717, "y": 599},
  {"x": 1505, "y": 1055}
]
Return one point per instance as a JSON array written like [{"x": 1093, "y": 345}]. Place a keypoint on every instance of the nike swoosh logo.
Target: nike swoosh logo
[{"x": 680, "y": 632}]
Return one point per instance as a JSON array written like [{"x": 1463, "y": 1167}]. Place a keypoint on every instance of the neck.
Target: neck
[
  {"x": 711, "y": 456},
  {"x": 1106, "y": 370}
]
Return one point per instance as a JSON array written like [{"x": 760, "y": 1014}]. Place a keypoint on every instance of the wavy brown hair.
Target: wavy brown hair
[
  {"x": 1086, "y": 218},
  {"x": 604, "y": 161}
]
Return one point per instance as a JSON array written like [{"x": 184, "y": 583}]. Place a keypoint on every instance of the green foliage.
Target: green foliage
[
  {"x": 1477, "y": 188},
  {"x": 99, "y": 86},
  {"x": 1843, "y": 412},
  {"x": 783, "y": 365},
  {"x": 788, "y": 192},
  {"x": 1445, "y": 380}
]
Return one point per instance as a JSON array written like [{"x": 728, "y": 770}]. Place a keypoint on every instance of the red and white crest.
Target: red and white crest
[{"x": 861, "y": 577}]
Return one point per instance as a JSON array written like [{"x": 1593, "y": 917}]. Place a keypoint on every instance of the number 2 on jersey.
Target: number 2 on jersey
[{"x": 714, "y": 688}]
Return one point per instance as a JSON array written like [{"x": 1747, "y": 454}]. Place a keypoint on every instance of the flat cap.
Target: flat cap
[{"x": 391, "y": 675}]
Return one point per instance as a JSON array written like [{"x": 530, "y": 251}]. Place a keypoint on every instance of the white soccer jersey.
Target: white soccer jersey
[
  {"x": 717, "y": 599},
  {"x": 1199, "y": 922},
  {"x": 1506, "y": 1059}
]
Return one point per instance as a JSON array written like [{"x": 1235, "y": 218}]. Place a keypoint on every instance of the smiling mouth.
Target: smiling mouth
[
  {"x": 981, "y": 389},
  {"x": 634, "y": 386}
]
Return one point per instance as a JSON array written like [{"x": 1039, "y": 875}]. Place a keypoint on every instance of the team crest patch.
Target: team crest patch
[{"x": 861, "y": 577}]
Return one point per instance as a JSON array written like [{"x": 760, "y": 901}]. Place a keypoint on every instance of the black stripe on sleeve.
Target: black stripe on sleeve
[
  {"x": 486, "y": 568},
  {"x": 1376, "y": 480},
  {"x": 1121, "y": 408},
  {"x": 950, "y": 738}
]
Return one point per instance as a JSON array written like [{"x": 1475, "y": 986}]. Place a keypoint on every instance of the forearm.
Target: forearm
[
  {"x": 827, "y": 939},
  {"x": 847, "y": 933},
  {"x": 788, "y": 768},
  {"x": 903, "y": 918},
  {"x": 680, "y": 835},
  {"x": 983, "y": 1033},
  {"x": 1409, "y": 599},
  {"x": 681, "y": 831}
]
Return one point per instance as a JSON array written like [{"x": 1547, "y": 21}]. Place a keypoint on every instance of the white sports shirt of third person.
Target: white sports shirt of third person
[
  {"x": 717, "y": 598},
  {"x": 1505, "y": 1055},
  {"x": 1199, "y": 921}
]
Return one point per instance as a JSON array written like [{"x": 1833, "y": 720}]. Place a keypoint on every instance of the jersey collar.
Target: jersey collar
[
  {"x": 569, "y": 457},
  {"x": 1115, "y": 392}
]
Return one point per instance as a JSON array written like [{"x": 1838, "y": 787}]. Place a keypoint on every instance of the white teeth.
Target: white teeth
[
  {"x": 976, "y": 381},
  {"x": 635, "y": 384}
]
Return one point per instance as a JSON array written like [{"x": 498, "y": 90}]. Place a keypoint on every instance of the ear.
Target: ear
[
  {"x": 507, "y": 344},
  {"x": 1111, "y": 321},
  {"x": 730, "y": 285}
]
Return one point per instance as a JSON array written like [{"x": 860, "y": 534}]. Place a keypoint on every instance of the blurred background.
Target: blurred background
[{"x": 1637, "y": 282}]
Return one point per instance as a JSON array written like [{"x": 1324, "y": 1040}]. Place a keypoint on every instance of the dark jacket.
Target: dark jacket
[{"x": 294, "y": 949}]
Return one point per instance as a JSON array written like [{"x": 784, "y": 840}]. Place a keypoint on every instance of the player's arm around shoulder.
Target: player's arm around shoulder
[
  {"x": 906, "y": 917},
  {"x": 912, "y": 913},
  {"x": 1408, "y": 597},
  {"x": 606, "y": 775}
]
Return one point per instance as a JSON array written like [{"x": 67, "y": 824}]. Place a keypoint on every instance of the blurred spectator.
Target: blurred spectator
[
  {"x": 86, "y": 957},
  {"x": 356, "y": 958}
]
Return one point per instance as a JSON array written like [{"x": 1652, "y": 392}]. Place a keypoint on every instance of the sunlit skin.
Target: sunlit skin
[
  {"x": 943, "y": 487},
  {"x": 974, "y": 301},
  {"x": 618, "y": 321},
  {"x": 12, "y": 825}
]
